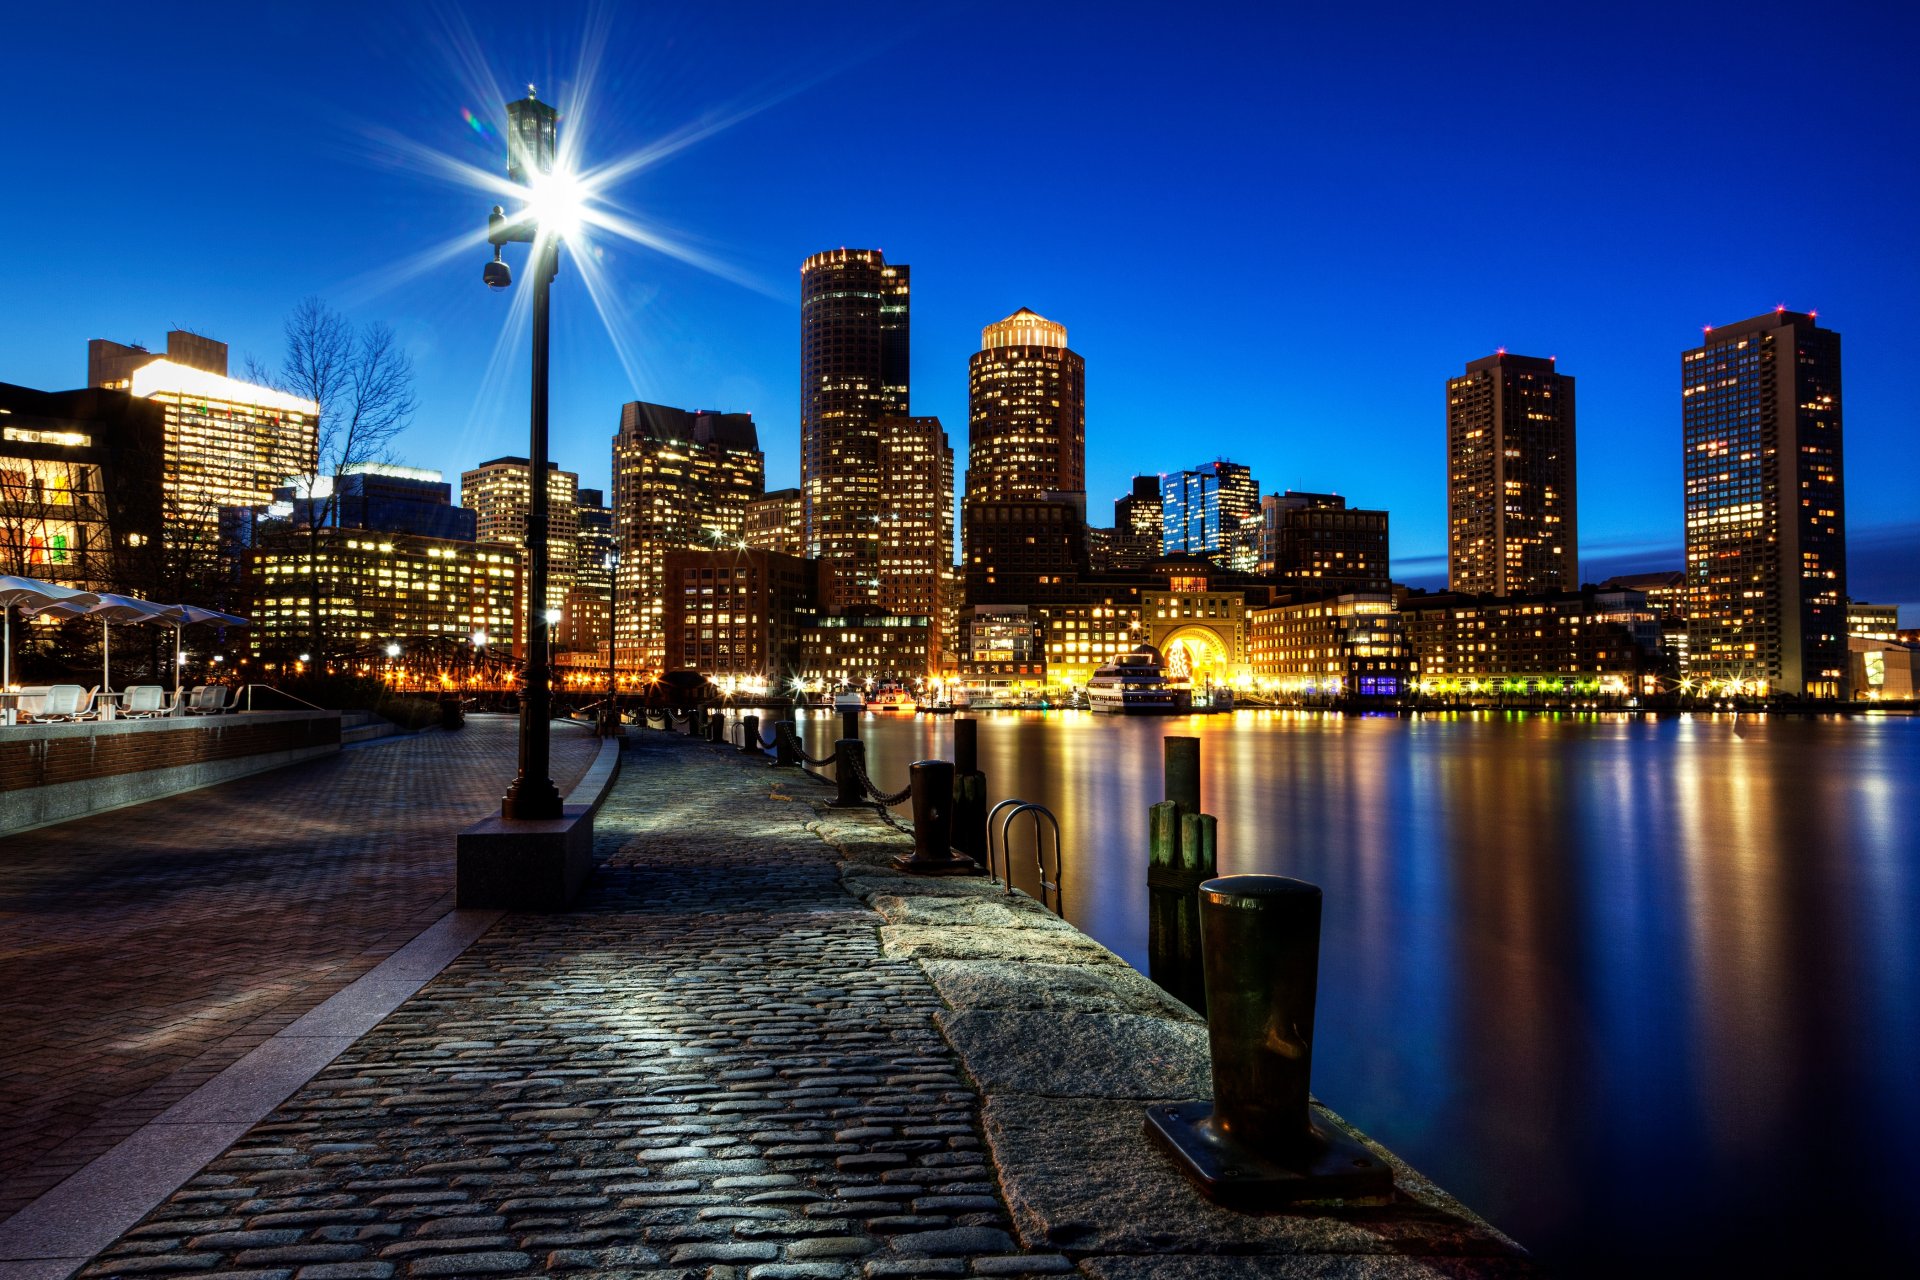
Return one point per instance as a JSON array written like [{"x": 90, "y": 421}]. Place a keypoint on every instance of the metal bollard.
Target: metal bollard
[
  {"x": 849, "y": 754},
  {"x": 785, "y": 733},
  {"x": 716, "y": 727},
  {"x": 1257, "y": 1143},
  {"x": 750, "y": 736},
  {"x": 849, "y": 724},
  {"x": 969, "y": 792},
  {"x": 931, "y": 782}
]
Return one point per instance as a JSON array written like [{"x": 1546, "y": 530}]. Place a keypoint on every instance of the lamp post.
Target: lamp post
[
  {"x": 532, "y": 144},
  {"x": 613, "y": 677}
]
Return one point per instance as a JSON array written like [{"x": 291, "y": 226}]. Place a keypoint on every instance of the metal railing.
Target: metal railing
[{"x": 1000, "y": 852}]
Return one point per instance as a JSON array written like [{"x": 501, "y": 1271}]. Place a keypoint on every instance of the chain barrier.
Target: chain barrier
[
  {"x": 792, "y": 739},
  {"x": 879, "y": 796}
]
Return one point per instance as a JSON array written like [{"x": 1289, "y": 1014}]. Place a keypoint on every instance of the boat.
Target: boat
[
  {"x": 891, "y": 697},
  {"x": 849, "y": 700},
  {"x": 1135, "y": 684}
]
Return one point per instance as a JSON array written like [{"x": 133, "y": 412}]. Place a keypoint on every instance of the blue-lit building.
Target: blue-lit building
[{"x": 1203, "y": 511}]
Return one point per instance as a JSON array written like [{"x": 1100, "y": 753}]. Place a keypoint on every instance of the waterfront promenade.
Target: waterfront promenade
[{"x": 750, "y": 1052}]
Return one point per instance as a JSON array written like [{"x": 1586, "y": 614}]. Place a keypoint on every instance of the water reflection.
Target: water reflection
[{"x": 1634, "y": 987}]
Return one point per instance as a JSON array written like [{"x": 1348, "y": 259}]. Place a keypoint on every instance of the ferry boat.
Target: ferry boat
[
  {"x": 1134, "y": 685},
  {"x": 892, "y": 697},
  {"x": 849, "y": 700}
]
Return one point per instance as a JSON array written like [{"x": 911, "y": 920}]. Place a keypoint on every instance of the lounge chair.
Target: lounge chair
[
  {"x": 208, "y": 700},
  {"x": 144, "y": 702},
  {"x": 61, "y": 703}
]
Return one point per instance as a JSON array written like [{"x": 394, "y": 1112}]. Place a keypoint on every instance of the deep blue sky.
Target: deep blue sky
[{"x": 1272, "y": 235}]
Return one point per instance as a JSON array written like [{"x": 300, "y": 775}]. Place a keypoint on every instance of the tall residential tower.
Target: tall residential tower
[
  {"x": 1512, "y": 526},
  {"x": 1766, "y": 506},
  {"x": 853, "y": 373}
]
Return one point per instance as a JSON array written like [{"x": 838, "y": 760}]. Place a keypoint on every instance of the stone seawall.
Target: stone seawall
[{"x": 1067, "y": 1045}]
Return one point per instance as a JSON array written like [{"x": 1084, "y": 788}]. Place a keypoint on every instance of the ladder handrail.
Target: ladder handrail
[{"x": 1039, "y": 811}]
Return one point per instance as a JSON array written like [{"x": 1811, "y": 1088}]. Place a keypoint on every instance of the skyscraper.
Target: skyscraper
[
  {"x": 916, "y": 523},
  {"x": 1202, "y": 511},
  {"x": 1315, "y": 540},
  {"x": 853, "y": 372},
  {"x": 680, "y": 480},
  {"x": 1766, "y": 506},
  {"x": 777, "y": 522},
  {"x": 500, "y": 492},
  {"x": 1026, "y": 411},
  {"x": 1137, "y": 523},
  {"x": 1512, "y": 526}
]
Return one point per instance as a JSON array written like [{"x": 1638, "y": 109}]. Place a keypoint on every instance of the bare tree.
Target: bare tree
[{"x": 363, "y": 382}]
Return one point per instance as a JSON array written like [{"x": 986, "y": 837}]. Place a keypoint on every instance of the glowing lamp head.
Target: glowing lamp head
[
  {"x": 393, "y": 651},
  {"x": 533, "y": 130},
  {"x": 556, "y": 204},
  {"x": 552, "y": 616}
]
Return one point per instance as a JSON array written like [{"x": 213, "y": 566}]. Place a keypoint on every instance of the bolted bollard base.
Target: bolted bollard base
[{"x": 1337, "y": 1166}]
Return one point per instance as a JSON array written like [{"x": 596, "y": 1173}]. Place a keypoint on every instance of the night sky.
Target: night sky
[{"x": 1272, "y": 235}]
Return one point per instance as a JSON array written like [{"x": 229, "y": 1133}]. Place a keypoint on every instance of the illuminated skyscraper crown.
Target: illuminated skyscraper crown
[{"x": 1023, "y": 329}]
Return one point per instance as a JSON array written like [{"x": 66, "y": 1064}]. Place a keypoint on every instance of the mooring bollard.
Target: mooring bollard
[
  {"x": 849, "y": 759},
  {"x": 931, "y": 785},
  {"x": 849, "y": 724},
  {"x": 750, "y": 736},
  {"x": 785, "y": 734},
  {"x": 1256, "y": 1143},
  {"x": 969, "y": 792},
  {"x": 716, "y": 726},
  {"x": 1181, "y": 843}
]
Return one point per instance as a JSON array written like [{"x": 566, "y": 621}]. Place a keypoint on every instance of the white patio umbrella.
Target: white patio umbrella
[
  {"x": 32, "y": 595},
  {"x": 182, "y": 615},
  {"x": 109, "y": 609}
]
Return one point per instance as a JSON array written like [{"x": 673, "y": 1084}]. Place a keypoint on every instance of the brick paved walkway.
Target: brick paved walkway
[
  {"x": 711, "y": 1068},
  {"x": 146, "y": 949}
]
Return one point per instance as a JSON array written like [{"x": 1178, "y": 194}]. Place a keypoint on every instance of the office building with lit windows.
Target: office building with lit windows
[
  {"x": 500, "y": 493},
  {"x": 854, "y": 352},
  {"x": 1873, "y": 621},
  {"x": 1512, "y": 521},
  {"x": 776, "y": 522},
  {"x": 1203, "y": 511},
  {"x": 1026, "y": 411},
  {"x": 863, "y": 649},
  {"x": 1137, "y": 525},
  {"x": 681, "y": 480},
  {"x": 1766, "y": 506},
  {"x": 1315, "y": 541},
  {"x": 80, "y": 488},
  {"x": 736, "y": 616},
  {"x": 1350, "y": 646},
  {"x": 1557, "y": 642},
  {"x": 916, "y": 521}
]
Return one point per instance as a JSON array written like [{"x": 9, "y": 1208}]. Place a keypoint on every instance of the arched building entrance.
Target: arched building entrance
[{"x": 1198, "y": 654}]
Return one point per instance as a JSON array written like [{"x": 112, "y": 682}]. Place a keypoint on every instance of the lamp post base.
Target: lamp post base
[{"x": 527, "y": 801}]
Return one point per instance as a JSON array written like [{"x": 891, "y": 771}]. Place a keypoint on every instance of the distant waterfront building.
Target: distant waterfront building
[
  {"x": 736, "y": 616},
  {"x": 1766, "y": 506},
  {"x": 1137, "y": 524},
  {"x": 1316, "y": 541},
  {"x": 1199, "y": 626},
  {"x": 586, "y": 620},
  {"x": 1873, "y": 621},
  {"x": 80, "y": 488},
  {"x": 1666, "y": 593},
  {"x": 681, "y": 480},
  {"x": 854, "y": 353},
  {"x": 1512, "y": 523},
  {"x": 862, "y": 649},
  {"x": 500, "y": 493},
  {"x": 1884, "y": 669},
  {"x": 1202, "y": 511},
  {"x": 1351, "y": 645},
  {"x": 1551, "y": 642},
  {"x": 916, "y": 522},
  {"x": 1026, "y": 411},
  {"x": 777, "y": 522}
]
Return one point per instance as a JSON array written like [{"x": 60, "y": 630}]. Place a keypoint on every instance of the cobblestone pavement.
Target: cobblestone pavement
[
  {"x": 146, "y": 949},
  {"x": 709, "y": 1069}
]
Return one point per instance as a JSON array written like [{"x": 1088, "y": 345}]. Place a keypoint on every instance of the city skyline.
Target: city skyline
[{"x": 1633, "y": 288}]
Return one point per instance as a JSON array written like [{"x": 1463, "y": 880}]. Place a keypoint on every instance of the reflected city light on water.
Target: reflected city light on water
[{"x": 1625, "y": 984}]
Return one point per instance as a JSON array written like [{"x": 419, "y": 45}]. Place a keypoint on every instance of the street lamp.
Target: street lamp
[
  {"x": 552, "y": 199},
  {"x": 613, "y": 679}
]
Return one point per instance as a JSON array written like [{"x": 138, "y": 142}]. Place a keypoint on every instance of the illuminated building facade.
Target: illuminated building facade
[
  {"x": 1666, "y": 593},
  {"x": 1884, "y": 669},
  {"x": 1026, "y": 411},
  {"x": 431, "y": 596},
  {"x": 916, "y": 521},
  {"x": 1203, "y": 511},
  {"x": 1003, "y": 646},
  {"x": 113, "y": 364},
  {"x": 586, "y": 620},
  {"x": 862, "y": 649},
  {"x": 1081, "y": 637},
  {"x": 500, "y": 493},
  {"x": 80, "y": 487},
  {"x": 1550, "y": 642},
  {"x": 777, "y": 522},
  {"x": 1345, "y": 646},
  {"x": 1873, "y": 621},
  {"x": 681, "y": 480},
  {"x": 1137, "y": 525},
  {"x": 1316, "y": 541},
  {"x": 1199, "y": 627},
  {"x": 737, "y": 616},
  {"x": 1766, "y": 506},
  {"x": 854, "y": 349},
  {"x": 224, "y": 443},
  {"x": 1512, "y": 523},
  {"x": 1024, "y": 550}
]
